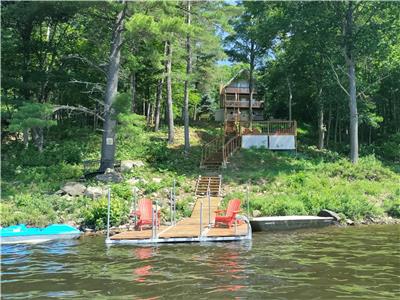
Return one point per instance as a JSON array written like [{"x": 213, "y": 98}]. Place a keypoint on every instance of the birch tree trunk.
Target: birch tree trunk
[
  {"x": 108, "y": 141},
  {"x": 170, "y": 112},
  {"x": 350, "y": 61},
  {"x": 187, "y": 83}
]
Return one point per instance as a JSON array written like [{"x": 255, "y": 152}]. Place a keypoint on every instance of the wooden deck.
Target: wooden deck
[{"x": 189, "y": 229}]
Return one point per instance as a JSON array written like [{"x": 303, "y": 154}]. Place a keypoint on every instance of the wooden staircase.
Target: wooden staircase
[
  {"x": 215, "y": 154},
  {"x": 210, "y": 184}
]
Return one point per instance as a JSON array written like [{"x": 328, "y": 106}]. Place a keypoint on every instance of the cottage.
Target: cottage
[{"x": 234, "y": 112}]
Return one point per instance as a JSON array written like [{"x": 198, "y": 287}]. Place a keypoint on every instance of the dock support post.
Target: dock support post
[
  {"x": 201, "y": 219},
  {"x": 156, "y": 217},
  {"x": 134, "y": 206},
  {"x": 209, "y": 207},
  {"x": 171, "y": 203},
  {"x": 174, "y": 197},
  {"x": 152, "y": 223},
  {"x": 108, "y": 213},
  {"x": 248, "y": 200}
]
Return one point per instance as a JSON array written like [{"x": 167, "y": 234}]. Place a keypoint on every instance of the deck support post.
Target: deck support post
[{"x": 108, "y": 213}]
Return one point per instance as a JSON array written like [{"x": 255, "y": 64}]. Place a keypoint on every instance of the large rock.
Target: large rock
[
  {"x": 74, "y": 189},
  {"x": 95, "y": 192},
  {"x": 127, "y": 165},
  {"x": 138, "y": 163},
  {"x": 109, "y": 176},
  {"x": 256, "y": 213},
  {"x": 133, "y": 181},
  {"x": 329, "y": 213},
  {"x": 157, "y": 180}
]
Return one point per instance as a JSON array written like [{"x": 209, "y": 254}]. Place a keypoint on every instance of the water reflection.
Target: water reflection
[
  {"x": 143, "y": 254},
  {"x": 329, "y": 263}
]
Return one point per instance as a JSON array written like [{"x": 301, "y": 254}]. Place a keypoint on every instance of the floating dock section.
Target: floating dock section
[
  {"x": 289, "y": 222},
  {"x": 198, "y": 228}
]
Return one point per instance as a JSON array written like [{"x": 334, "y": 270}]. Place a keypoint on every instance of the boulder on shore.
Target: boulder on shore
[
  {"x": 329, "y": 213},
  {"x": 74, "y": 189},
  {"x": 95, "y": 192},
  {"x": 127, "y": 165},
  {"x": 109, "y": 176},
  {"x": 256, "y": 213}
]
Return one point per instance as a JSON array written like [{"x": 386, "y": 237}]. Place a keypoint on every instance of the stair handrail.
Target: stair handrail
[
  {"x": 211, "y": 147},
  {"x": 230, "y": 147}
]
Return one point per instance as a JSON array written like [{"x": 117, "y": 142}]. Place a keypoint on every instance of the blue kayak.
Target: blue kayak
[{"x": 22, "y": 234}]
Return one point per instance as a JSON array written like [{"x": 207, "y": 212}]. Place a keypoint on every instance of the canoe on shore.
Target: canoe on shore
[
  {"x": 289, "y": 222},
  {"x": 21, "y": 234}
]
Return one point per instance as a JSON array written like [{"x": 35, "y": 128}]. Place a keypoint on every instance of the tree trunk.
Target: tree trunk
[
  {"x": 133, "y": 92},
  {"x": 336, "y": 125},
  {"x": 158, "y": 104},
  {"x": 350, "y": 61},
  {"x": 251, "y": 84},
  {"x": 37, "y": 137},
  {"x": 148, "y": 114},
  {"x": 187, "y": 83},
  {"x": 329, "y": 131},
  {"x": 321, "y": 126},
  {"x": 290, "y": 98},
  {"x": 170, "y": 112},
  {"x": 108, "y": 142},
  {"x": 26, "y": 137}
]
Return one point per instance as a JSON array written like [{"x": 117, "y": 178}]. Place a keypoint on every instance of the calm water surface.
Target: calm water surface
[{"x": 345, "y": 263}]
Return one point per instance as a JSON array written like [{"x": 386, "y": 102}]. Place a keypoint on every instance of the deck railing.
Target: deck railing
[
  {"x": 242, "y": 104},
  {"x": 269, "y": 128},
  {"x": 230, "y": 147}
]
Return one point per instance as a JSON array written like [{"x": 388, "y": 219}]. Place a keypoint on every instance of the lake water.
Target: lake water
[{"x": 346, "y": 263}]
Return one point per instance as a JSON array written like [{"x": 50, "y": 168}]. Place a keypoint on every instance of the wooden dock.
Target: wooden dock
[{"x": 198, "y": 228}]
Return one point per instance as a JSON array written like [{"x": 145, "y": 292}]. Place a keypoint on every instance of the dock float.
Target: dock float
[
  {"x": 198, "y": 228},
  {"x": 289, "y": 222}
]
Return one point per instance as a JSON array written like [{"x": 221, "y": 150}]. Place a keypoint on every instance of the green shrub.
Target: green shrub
[
  {"x": 95, "y": 214},
  {"x": 31, "y": 209}
]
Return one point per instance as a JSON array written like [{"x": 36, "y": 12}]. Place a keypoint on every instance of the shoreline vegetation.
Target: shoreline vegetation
[{"x": 279, "y": 183}]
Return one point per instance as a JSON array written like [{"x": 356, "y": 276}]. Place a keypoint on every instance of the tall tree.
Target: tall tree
[
  {"x": 187, "y": 81},
  {"x": 108, "y": 141}
]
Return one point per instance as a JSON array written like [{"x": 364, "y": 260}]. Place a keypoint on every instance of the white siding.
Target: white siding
[{"x": 282, "y": 142}]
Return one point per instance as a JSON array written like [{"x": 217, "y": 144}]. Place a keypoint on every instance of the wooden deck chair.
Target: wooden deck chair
[
  {"x": 230, "y": 213},
  {"x": 144, "y": 214}
]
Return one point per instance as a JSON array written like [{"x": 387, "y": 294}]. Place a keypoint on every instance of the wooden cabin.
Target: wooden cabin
[
  {"x": 235, "y": 100},
  {"x": 235, "y": 111}
]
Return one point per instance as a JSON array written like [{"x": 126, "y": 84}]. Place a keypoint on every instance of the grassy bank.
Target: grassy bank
[
  {"x": 280, "y": 183},
  {"x": 306, "y": 182}
]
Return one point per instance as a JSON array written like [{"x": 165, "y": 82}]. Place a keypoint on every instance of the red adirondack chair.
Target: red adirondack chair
[
  {"x": 230, "y": 213},
  {"x": 144, "y": 213}
]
